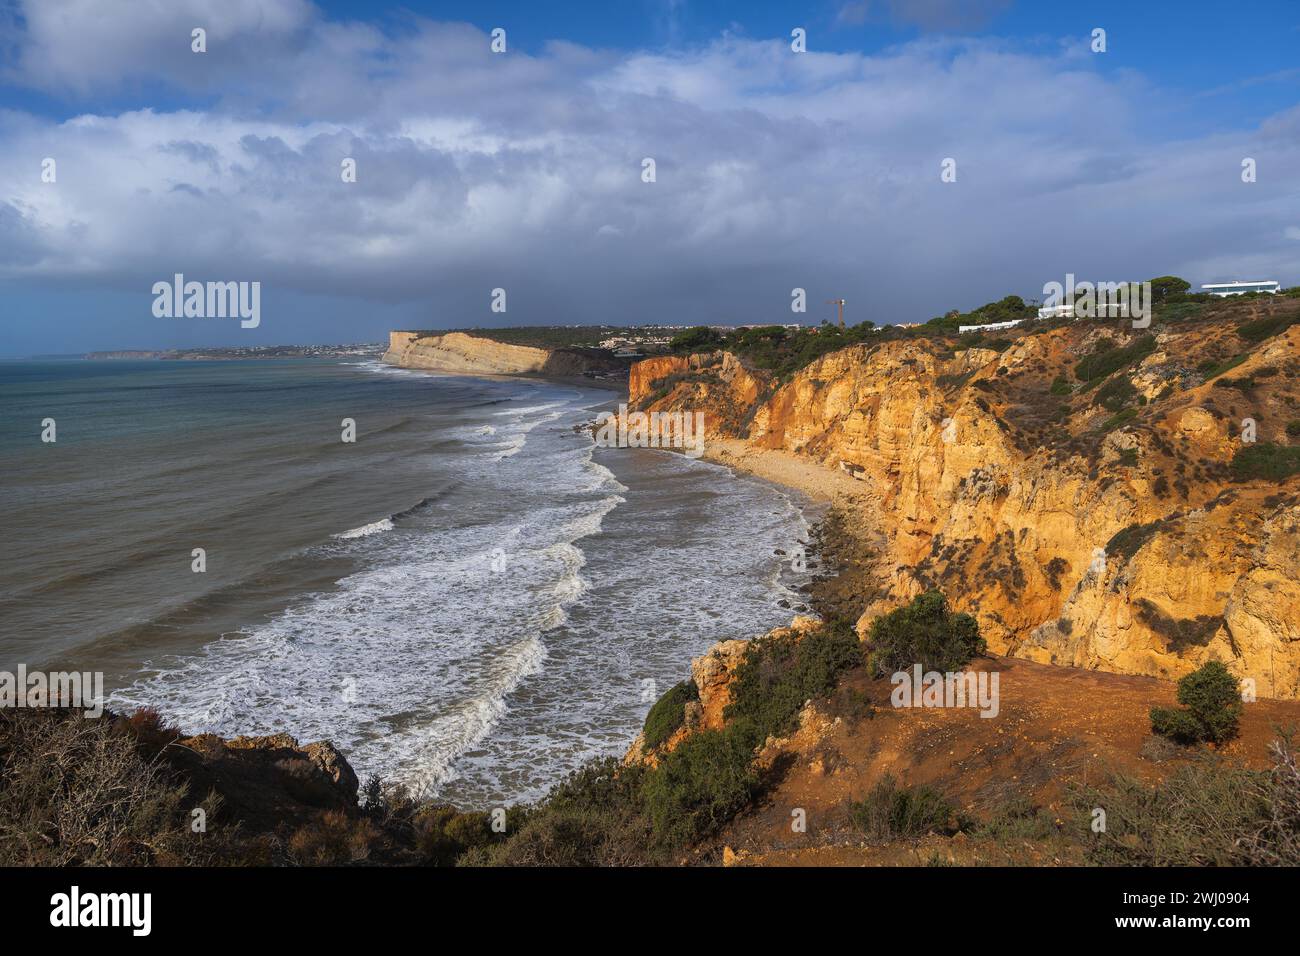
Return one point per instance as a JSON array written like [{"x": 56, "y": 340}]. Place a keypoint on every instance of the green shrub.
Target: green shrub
[
  {"x": 1266, "y": 460},
  {"x": 1061, "y": 386},
  {"x": 1176, "y": 724},
  {"x": 891, "y": 812},
  {"x": 1103, "y": 363},
  {"x": 1128, "y": 541},
  {"x": 1293, "y": 428},
  {"x": 1204, "y": 814},
  {"x": 1211, "y": 368},
  {"x": 698, "y": 787},
  {"x": 1115, "y": 394},
  {"x": 669, "y": 713},
  {"x": 923, "y": 632},
  {"x": 1261, "y": 329},
  {"x": 778, "y": 674},
  {"x": 594, "y": 817},
  {"x": 1119, "y": 418},
  {"x": 1213, "y": 696},
  {"x": 1211, "y": 710}
]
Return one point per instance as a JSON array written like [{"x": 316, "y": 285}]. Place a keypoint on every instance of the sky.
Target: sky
[{"x": 523, "y": 170}]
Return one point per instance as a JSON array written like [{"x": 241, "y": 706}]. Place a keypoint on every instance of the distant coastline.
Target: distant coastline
[{"x": 230, "y": 352}]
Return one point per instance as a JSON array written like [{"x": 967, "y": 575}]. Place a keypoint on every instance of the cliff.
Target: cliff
[
  {"x": 1008, "y": 783},
  {"x": 461, "y": 353},
  {"x": 1097, "y": 523}
]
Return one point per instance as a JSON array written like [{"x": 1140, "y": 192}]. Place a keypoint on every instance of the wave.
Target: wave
[{"x": 375, "y": 527}]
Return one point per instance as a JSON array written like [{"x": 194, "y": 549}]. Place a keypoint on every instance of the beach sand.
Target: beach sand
[{"x": 817, "y": 482}]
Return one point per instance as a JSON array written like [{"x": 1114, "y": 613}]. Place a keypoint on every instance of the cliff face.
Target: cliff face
[
  {"x": 458, "y": 352},
  {"x": 465, "y": 354},
  {"x": 1075, "y": 533}
]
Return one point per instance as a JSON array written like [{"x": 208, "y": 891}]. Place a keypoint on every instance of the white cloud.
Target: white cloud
[{"x": 774, "y": 170}]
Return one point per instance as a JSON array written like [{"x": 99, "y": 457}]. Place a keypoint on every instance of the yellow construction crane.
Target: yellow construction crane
[{"x": 840, "y": 303}]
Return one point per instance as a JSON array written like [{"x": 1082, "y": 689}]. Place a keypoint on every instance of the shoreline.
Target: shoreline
[
  {"x": 573, "y": 381},
  {"x": 819, "y": 483}
]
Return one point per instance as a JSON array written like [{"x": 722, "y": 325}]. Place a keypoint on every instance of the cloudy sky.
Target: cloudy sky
[{"x": 523, "y": 170}]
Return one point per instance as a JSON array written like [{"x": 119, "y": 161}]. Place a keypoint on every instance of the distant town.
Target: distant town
[
  {"x": 633, "y": 342},
  {"x": 242, "y": 352}
]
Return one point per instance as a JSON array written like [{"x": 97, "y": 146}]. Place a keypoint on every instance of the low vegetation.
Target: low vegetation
[
  {"x": 1108, "y": 360},
  {"x": 924, "y": 632},
  {"x": 892, "y": 812},
  {"x": 90, "y": 792},
  {"x": 668, "y": 713},
  {"x": 1212, "y": 707},
  {"x": 779, "y": 673},
  {"x": 1210, "y": 812},
  {"x": 775, "y": 348},
  {"x": 1267, "y": 461}
]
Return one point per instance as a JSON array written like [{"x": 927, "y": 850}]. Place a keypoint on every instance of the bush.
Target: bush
[
  {"x": 1212, "y": 707},
  {"x": 1204, "y": 814},
  {"x": 1116, "y": 394},
  {"x": 1061, "y": 386},
  {"x": 698, "y": 787},
  {"x": 891, "y": 812},
  {"x": 1176, "y": 724},
  {"x": 1266, "y": 460},
  {"x": 333, "y": 839},
  {"x": 1119, "y": 418},
  {"x": 1261, "y": 329},
  {"x": 1212, "y": 368},
  {"x": 923, "y": 632},
  {"x": 77, "y": 791},
  {"x": 778, "y": 674},
  {"x": 1103, "y": 363},
  {"x": 594, "y": 817},
  {"x": 669, "y": 713}
]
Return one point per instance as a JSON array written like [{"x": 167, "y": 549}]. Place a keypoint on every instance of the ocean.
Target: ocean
[{"x": 470, "y": 599}]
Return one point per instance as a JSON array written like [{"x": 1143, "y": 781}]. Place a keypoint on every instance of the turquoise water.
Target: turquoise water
[{"x": 470, "y": 598}]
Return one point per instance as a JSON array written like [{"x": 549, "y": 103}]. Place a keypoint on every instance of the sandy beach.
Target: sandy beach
[{"x": 817, "y": 482}]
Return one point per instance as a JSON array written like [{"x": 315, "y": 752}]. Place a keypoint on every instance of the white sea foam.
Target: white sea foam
[
  {"x": 375, "y": 527},
  {"x": 484, "y": 651}
]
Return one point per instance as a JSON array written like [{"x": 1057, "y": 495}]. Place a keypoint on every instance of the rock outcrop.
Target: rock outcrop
[
  {"x": 1076, "y": 535},
  {"x": 458, "y": 352},
  {"x": 268, "y": 780},
  {"x": 461, "y": 353}
]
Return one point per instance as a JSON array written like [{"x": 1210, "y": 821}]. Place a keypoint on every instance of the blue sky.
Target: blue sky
[{"x": 523, "y": 170}]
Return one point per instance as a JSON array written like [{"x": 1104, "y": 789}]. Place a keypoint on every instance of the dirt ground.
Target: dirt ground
[{"x": 1055, "y": 726}]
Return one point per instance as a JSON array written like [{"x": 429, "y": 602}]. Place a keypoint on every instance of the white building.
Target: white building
[
  {"x": 991, "y": 327},
  {"x": 1063, "y": 311},
  {"x": 1242, "y": 287}
]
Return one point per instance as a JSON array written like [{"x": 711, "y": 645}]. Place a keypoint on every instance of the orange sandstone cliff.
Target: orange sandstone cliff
[{"x": 1077, "y": 534}]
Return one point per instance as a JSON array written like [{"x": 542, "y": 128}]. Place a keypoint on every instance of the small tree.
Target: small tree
[
  {"x": 924, "y": 632},
  {"x": 701, "y": 338},
  {"x": 1211, "y": 707},
  {"x": 669, "y": 713},
  {"x": 1164, "y": 288}
]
